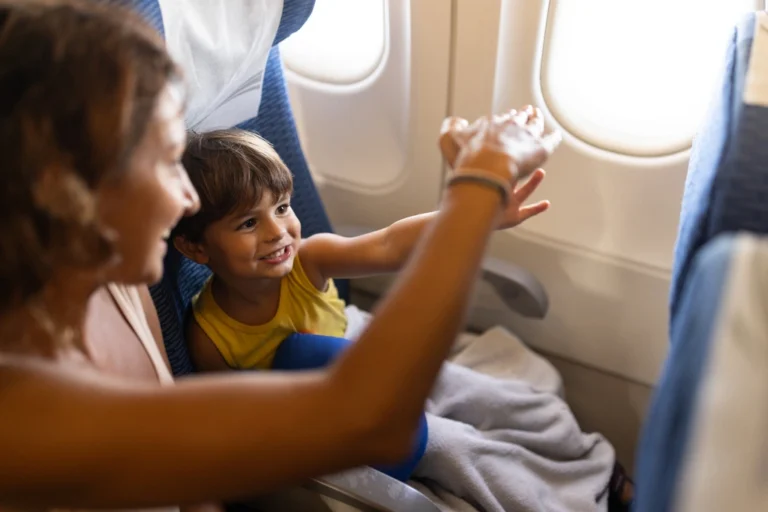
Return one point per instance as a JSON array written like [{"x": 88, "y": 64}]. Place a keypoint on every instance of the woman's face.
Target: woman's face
[{"x": 142, "y": 205}]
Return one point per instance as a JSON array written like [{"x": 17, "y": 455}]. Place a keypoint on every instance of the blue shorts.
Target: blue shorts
[{"x": 307, "y": 351}]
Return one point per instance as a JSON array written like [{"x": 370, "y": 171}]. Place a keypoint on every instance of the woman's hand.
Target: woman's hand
[{"x": 511, "y": 145}]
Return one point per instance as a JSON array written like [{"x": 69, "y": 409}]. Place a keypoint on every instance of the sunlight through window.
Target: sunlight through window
[
  {"x": 636, "y": 77},
  {"x": 342, "y": 42}
]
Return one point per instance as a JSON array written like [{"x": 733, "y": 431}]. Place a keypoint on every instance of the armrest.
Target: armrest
[
  {"x": 369, "y": 490},
  {"x": 361, "y": 490},
  {"x": 520, "y": 290}
]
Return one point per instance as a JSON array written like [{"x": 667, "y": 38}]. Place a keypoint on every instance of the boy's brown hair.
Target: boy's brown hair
[{"x": 231, "y": 169}]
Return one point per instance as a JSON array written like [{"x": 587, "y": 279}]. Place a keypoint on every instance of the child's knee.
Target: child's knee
[
  {"x": 302, "y": 351},
  {"x": 405, "y": 469}
]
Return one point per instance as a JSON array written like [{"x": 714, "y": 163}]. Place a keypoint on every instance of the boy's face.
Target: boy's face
[{"x": 259, "y": 244}]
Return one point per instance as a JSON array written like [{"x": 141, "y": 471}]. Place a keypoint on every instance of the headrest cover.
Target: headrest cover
[{"x": 222, "y": 46}]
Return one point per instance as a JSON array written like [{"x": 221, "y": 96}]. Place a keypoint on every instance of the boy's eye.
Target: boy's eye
[
  {"x": 248, "y": 224},
  {"x": 283, "y": 209}
]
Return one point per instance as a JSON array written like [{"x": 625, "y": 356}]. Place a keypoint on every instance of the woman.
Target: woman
[{"x": 92, "y": 132}]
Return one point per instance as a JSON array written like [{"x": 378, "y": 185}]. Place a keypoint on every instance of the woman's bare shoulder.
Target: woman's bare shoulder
[
  {"x": 54, "y": 413},
  {"x": 17, "y": 370}
]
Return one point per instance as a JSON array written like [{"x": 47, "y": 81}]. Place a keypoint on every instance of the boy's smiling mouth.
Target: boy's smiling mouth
[{"x": 277, "y": 256}]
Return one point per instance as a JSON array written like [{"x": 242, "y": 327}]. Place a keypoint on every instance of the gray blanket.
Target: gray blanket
[
  {"x": 499, "y": 445},
  {"x": 501, "y": 438}
]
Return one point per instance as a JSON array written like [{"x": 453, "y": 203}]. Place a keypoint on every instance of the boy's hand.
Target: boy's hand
[{"x": 516, "y": 213}]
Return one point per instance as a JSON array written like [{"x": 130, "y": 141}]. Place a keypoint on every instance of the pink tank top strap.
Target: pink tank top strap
[{"x": 129, "y": 302}]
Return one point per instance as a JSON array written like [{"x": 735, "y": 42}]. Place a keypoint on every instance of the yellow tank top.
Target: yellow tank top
[{"x": 302, "y": 308}]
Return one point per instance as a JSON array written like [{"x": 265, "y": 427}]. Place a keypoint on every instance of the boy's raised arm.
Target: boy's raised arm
[{"x": 325, "y": 256}]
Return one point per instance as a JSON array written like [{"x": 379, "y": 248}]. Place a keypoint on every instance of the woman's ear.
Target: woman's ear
[{"x": 195, "y": 252}]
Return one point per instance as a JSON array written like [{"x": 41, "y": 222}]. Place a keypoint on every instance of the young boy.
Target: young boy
[{"x": 269, "y": 283}]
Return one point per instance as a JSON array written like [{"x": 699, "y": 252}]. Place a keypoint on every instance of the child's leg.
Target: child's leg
[
  {"x": 308, "y": 351},
  {"x": 404, "y": 469}
]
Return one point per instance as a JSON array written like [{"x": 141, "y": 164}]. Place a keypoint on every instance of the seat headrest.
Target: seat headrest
[{"x": 223, "y": 51}]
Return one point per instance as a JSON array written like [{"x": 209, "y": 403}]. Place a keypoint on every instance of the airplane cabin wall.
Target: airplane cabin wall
[
  {"x": 372, "y": 144},
  {"x": 603, "y": 251}
]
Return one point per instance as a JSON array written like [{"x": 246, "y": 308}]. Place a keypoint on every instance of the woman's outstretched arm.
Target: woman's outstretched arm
[
  {"x": 119, "y": 444},
  {"x": 80, "y": 439}
]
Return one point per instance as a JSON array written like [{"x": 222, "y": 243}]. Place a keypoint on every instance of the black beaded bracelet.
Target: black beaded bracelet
[{"x": 483, "y": 179}]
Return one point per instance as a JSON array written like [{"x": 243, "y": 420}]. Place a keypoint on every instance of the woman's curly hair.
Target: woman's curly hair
[{"x": 78, "y": 84}]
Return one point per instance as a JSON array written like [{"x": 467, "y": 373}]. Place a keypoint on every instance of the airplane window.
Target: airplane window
[
  {"x": 635, "y": 77},
  {"x": 342, "y": 42}
]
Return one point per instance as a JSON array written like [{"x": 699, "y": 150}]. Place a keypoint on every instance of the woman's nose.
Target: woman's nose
[{"x": 190, "y": 197}]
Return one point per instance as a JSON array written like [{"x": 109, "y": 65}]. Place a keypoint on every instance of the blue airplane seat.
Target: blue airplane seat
[
  {"x": 727, "y": 180},
  {"x": 716, "y": 303},
  {"x": 275, "y": 122}
]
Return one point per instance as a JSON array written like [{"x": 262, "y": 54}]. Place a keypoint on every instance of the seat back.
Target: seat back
[
  {"x": 703, "y": 446},
  {"x": 727, "y": 182},
  {"x": 275, "y": 122},
  {"x": 703, "y": 441}
]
